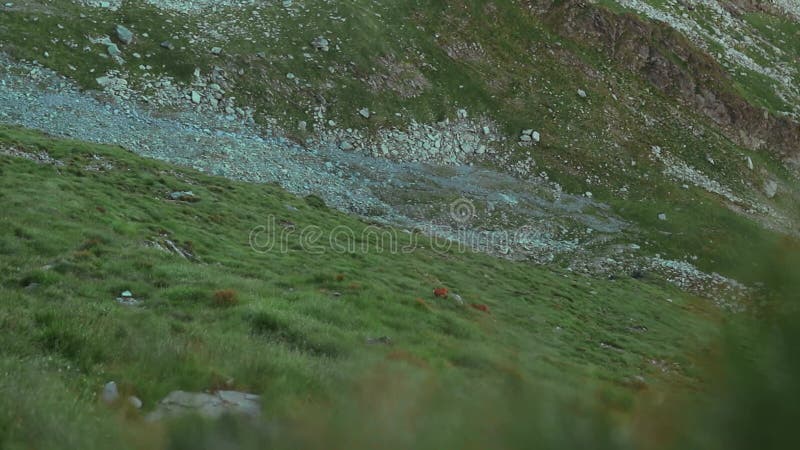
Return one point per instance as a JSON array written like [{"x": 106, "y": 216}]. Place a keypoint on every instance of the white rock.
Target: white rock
[
  {"x": 662, "y": 216},
  {"x": 535, "y": 136},
  {"x": 749, "y": 163},
  {"x": 196, "y": 97},
  {"x": 364, "y": 112},
  {"x": 770, "y": 188},
  {"x": 581, "y": 93},
  {"x": 135, "y": 402}
]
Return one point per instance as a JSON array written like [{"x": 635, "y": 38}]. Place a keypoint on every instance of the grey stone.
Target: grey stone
[
  {"x": 216, "y": 50},
  {"x": 113, "y": 50},
  {"x": 196, "y": 97},
  {"x": 364, "y": 112},
  {"x": 184, "y": 196},
  {"x": 179, "y": 403},
  {"x": 124, "y": 35},
  {"x": 135, "y": 402},
  {"x": 104, "y": 81},
  {"x": 535, "y": 136},
  {"x": 770, "y": 188},
  {"x": 110, "y": 392},
  {"x": 662, "y": 216},
  {"x": 320, "y": 43},
  {"x": 581, "y": 93},
  {"x": 385, "y": 340},
  {"x": 346, "y": 146},
  {"x": 168, "y": 45}
]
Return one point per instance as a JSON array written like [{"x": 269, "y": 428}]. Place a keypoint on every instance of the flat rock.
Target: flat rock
[
  {"x": 179, "y": 403},
  {"x": 183, "y": 196}
]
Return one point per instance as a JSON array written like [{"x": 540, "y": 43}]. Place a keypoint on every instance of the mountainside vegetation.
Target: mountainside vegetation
[{"x": 628, "y": 169}]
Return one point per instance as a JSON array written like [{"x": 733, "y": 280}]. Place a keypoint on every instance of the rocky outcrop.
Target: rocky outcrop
[{"x": 671, "y": 63}]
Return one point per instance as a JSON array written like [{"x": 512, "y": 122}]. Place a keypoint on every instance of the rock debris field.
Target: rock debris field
[{"x": 505, "y": 216}]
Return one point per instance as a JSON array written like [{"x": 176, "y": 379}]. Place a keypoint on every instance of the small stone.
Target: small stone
[
  {"x": 535, "y": 136},
  {"x": 124, "y": 35},
  {"x": 320, "y": 43},
  {"x": 581, "y": 93},
  {"x": 461, "y": 113},
  {"x": 135, "y": 402},
  {"x": 126, "y": 294},
  {"x": 457, "y": 298},
  {"x": 346, "y": 146},
  {"x": 749, "y": 163},
  {"x": 216, "y": 51},
  {"x": 527, "y": 132},
  {"x": 290, "y": 76},
  {"x": 168, "y": 45},
  {"x": 364, "y": 112},
  {"x": 662, "y": 216},
  {"x": 770, "y": 188},
  {"x": 110, "y": 392},
  {"x": 183, "y": 196},
  {"x": 196, "y": 97},
  {"x": 487, "y": 131},
  {"x": 104, "y": 81},
  {"x": 302, "y": 125},
  {"x": 525, "y": 138},
  {"x": 113, "y": 50},
  {"x": 385, "y": 340}
]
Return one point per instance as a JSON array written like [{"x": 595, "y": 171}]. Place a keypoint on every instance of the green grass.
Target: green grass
[{"x": 73, "y": 239}]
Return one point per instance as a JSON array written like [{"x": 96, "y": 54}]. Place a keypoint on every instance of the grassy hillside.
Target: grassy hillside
[
  {"x": 333, "y": 320},
  {"x": 75, "y": 234}
]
